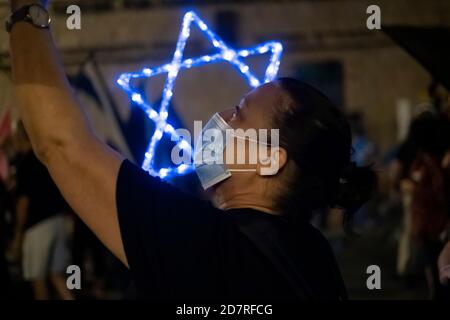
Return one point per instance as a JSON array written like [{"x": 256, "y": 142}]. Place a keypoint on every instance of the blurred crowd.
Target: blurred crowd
[
  {"x": 420, "y": 179},
  {"x": 40, "y": 236},
  {"x": 414, "y": 193},
  {"x": 411, "y": 210}
]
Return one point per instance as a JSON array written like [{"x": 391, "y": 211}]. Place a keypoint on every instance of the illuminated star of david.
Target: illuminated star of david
[{"x": 160, "y": 118}]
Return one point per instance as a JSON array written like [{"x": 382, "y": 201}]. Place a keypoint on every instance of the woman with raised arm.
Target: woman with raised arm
[{"x": 254, "y": 240}]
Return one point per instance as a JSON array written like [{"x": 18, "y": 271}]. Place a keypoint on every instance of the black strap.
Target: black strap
[
  {"x": 261, "y": 233},
  {"x": 18, "y": 15},
  {"x": 21, "y": 13}
]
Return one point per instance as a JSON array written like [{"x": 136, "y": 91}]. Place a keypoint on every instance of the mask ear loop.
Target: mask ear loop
[{"x": 272, "y": 160}]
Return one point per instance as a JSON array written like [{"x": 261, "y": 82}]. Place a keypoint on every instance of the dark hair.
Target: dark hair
[
  {"x": 427, "y": 132},
  {"x": 317, "y": 138}
]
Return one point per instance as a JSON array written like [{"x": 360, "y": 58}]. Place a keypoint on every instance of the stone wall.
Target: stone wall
[{"x": 377, "y": 73}]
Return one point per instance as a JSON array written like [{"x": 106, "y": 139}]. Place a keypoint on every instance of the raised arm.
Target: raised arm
[{"x": 84, "y": 169}]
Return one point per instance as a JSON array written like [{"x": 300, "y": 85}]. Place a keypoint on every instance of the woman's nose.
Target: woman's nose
[{"x": 227, "y": 114}]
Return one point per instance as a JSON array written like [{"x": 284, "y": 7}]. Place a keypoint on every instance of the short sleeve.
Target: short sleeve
[{"x": 170, "y": 237}]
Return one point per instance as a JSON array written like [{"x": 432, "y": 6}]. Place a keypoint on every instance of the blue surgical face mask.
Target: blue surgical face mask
[{"x": 208, "y": 155}]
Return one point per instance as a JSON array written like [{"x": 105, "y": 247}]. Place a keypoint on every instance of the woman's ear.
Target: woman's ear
[{"x": 270, "y": 165}]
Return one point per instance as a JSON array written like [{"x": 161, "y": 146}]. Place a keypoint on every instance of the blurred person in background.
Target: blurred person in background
[
  {"x": 440, "y": 98},
  {"x": 444, "y": 266},
  {"x": 5, "y": 199},
  {"x": 444, "y": 257},
  {"x": 40, "y": 233},
  {"x": 4, "y": 273},
  {"x": 364, "y": 150},
  {"x": 364, "y": 154},
  {"x": 424, "y": 184}
]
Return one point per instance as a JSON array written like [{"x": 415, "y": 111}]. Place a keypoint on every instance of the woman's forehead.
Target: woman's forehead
[
  {"x": 267, "y": 95},
  {"x": 260, "y": 103}
]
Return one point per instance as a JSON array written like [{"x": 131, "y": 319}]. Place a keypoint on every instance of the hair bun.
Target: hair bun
[{"x": 356, "y": 186}]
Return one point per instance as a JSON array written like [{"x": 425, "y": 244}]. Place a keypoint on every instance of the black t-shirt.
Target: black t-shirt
[
  {"x": 35, "y": 182},
  {"x": 180, "y": 247}
]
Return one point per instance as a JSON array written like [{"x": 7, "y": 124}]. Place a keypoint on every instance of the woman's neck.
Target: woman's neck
[{"x": 226, "y": 197}]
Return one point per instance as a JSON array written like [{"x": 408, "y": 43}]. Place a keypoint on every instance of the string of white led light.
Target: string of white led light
[{"x": 172, "y": 69}]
